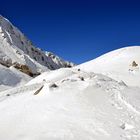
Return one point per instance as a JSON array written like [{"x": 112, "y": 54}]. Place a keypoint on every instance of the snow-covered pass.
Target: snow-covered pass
[{"x": 97, "y": 100}]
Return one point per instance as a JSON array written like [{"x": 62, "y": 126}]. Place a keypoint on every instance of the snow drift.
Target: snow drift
[
  {"x": 82, "y": 105},
  {"x": 122, "y": 64}
]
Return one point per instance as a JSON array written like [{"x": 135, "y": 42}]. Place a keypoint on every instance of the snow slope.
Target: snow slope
[
  {"x": 118, "y": 65},
  {"x": 16, "y": 48},
  {"x": 11, "y": 77},
  {"x": 81, "y": 106}
]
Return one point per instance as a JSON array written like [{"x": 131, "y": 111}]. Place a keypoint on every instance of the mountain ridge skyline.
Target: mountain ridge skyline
[{"x": 77, "y": 30}]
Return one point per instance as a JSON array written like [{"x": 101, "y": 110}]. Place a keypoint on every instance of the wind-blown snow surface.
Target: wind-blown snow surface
[
  {"x": 11, "y": 77},
  {"x": 118, "y": 65},
  {"x": 81, "y": 106}
]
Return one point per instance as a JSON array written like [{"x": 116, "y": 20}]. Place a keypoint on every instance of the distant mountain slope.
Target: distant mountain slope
[
  {"x": 122, "y": 64},
  {"x": 17, "y": 50}
]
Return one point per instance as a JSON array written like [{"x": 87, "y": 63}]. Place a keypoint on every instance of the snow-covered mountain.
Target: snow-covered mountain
[
  {"x": 122, "y": 65},
  {"x": 97, "y": 100},
  {"x": 17, "y": 50}
]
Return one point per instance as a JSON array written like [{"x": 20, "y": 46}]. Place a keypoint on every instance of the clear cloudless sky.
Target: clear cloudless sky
[{"x": 76, "y": 30}]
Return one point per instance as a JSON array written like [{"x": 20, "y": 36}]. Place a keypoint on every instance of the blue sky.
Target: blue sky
[{"x": 76, "y": 30}]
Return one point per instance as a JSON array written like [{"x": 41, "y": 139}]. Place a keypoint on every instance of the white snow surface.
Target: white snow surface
[
  {"x": 11, "y": 77},
  {"x": 83, "y": 106},
  {"x": 117, "y": 64}
]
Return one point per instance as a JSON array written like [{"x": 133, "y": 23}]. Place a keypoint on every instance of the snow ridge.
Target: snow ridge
[{"x": 81, "y": 105}]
